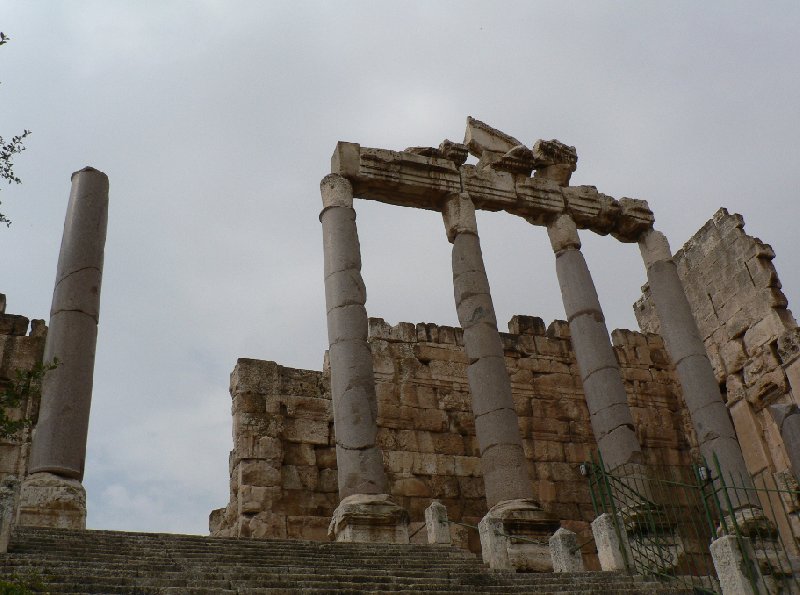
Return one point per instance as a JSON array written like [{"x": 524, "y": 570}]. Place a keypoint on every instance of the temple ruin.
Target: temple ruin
[
  {"x": 478, "y": 419},
  {"x": 465, "y": 426}
]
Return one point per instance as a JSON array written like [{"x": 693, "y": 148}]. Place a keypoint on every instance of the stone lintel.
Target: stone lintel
[
  {"x": 369, "y": 518},
  {"x": 517, "y": 518},
  {"x": 396, "y": 177},
  {"x": 423, "y": 177}
]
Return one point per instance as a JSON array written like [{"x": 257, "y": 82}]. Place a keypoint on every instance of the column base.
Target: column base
[
  {"x": 517, "y": 518},
  {"x": 369, "y": 518},
  {"x": 49, "y": 500}
]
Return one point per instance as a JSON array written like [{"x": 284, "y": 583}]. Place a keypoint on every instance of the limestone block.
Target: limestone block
[
  {"x": 360, "y": 471},
  {"x": 481, "y": 340},
  {"x": 538, "y": 200},
  {"x": 750, "y": 436},
  {"x": 484, "y": 376},
  {"x": 410, "y": 487},
  {"x": 479, "y": 137},
  {"x": 501, "y": 466},
  {"x": 610, "y": 543},
  {"x": 635, "y": 217},
  {"x": 734, "y": 570},
  {"x": 517, "y": 517},
  {"x": 396, "y": 177},
  {"x": 47, "y": 500},
  {"x": 564, "y": 552},
  {"x": 369, "y": 518},
  {"x": 733, "y": 356},
  {"x": 489, "y": 189},
  {"x": 789, "y": 346},
  {"x": 345, "y": 288},
  {"x": 312, "y": 431},
  {"x": 591, "y": 209},
  {"x": 458, "y": 213},
  {"x": 341, "y": 248},
  {"x": 768, "y": 329},
  {"x": 12, "y": 324},
  {"x": 436, "y": 524}
]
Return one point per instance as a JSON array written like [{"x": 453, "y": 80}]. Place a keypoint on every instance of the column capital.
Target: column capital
[
  {"x": 337, "y": 191},
  {"x": 654, "y": 247},
  {"x": 458, "y": 212},
  {"x": 563, "y": 233}
]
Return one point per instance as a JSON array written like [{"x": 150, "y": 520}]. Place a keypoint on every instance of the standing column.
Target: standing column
[
  {"x": 365, "y": 512},
  {"x": 612, "y": 422},
  {"x": 509, "y": 492},
  {"x": 715, "y": 432},
  {"x": 52, "y": 494}
]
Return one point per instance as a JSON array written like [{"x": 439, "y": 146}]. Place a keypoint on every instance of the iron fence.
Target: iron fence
[{"x": 667, "y": 517}]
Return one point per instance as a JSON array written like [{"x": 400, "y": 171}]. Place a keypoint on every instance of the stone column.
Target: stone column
[
  {"x": 365, "y": 512},
  {"x": 52, "y": 494},
  {"x": 612, "y": 422},
  {"x": 715, "y": 432},
  {"x": 509, "y": 493}
]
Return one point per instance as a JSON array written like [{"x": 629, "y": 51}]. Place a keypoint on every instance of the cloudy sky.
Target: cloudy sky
[{"x": 215, "y": 121}]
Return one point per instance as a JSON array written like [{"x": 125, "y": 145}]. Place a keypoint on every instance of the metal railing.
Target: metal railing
[{"x": 667, "y": 517}]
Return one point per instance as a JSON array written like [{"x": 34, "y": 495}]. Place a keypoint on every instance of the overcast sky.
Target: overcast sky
[{"x": 215, "y": 121}]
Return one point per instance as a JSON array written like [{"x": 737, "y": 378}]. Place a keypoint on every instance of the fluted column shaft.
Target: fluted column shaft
[
  {"x": 713, "y": 425},
  {"x": 358, "y": 457},
  {"x": 610, "y": 414},
  {"x": 59, "y": 442},
  {"x": 505, "y": 471}
]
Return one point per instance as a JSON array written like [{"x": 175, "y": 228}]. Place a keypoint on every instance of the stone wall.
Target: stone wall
[
  {"x": 750, "y": 335},
  {"x": 20, "y": 350},
  {"x": 283, "y": 465}
]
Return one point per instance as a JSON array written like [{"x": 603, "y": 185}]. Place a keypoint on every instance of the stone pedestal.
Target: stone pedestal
[
  {"x": 612, "y": 548},
  {"x": 436, "y": 524},
  {"x": 565, "y": 553},
  {"x": 517, "y": 518},
  {"x": 736, "y": 568},
  {"x": 49, "y": 500},
  {"x": 369, "y": 518}
]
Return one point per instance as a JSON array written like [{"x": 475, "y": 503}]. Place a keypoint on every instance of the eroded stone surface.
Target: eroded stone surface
[
  {"x": 283, "y": 464},
  {"x": 49, "y": 500}
]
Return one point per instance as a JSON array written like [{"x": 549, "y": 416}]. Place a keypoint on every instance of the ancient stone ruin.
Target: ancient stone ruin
[
  {"x": 495, "y": 425},
  {"x": 417, "y": 432}
]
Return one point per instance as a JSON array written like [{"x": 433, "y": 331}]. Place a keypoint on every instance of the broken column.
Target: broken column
[
  {"x": 365, "y": 512},
  {"x": 52, "y": 494},
  {"x": 715, "y": 433},
  {"x": 509, "y": 493},
  {"x": 612, "y": 422}
]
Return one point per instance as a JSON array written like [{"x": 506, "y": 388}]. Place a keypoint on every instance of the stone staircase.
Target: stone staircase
[{"x": 65, "y": 561}]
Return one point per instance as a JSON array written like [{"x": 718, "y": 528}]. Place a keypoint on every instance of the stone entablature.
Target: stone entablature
[{"x": 283, "y": 465}]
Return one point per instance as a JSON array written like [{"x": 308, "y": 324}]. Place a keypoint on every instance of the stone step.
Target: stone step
[{"x": 83, "y": 562}]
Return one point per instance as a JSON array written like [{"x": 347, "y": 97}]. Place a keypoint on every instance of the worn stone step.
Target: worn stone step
[{"x": 118, "y": 562}]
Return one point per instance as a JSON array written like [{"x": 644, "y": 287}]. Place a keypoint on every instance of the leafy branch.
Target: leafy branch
[
  {"x": 26, "y": 383},
  {"x": 8, "y": 149}
]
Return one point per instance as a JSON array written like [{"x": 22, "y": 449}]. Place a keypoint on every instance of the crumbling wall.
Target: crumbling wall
[
  {"x": 20, "y": 351},
  {"x": 750, "y": 335},
  {"x": 283, "y": 465}
]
